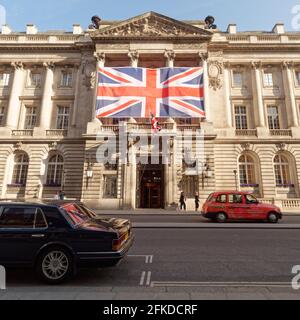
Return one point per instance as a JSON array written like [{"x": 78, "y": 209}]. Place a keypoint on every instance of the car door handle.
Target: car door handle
[{"x": 37, "y": 235}]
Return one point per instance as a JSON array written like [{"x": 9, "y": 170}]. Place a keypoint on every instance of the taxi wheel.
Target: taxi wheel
[
  {"x": 273, "y": 217},
  {"x": 221, "y": 217}
]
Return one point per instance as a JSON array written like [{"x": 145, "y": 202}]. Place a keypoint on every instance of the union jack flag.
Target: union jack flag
[{"x": 138, "y": 92}]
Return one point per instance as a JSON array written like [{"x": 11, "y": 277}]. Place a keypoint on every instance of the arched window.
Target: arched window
[
  {"x": 20, "y": 171},
  {"x": 282, "y": 171},
  {"x": 55, "y": 170},
  {"x": 247, "y": 170}
]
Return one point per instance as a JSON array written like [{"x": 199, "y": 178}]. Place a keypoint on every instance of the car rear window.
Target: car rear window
[
  {"x": 75, "y": 215},
  {"x": 18, "y": 217}
]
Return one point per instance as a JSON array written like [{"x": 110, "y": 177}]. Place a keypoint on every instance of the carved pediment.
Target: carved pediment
[{"x": 151, "y": 25}]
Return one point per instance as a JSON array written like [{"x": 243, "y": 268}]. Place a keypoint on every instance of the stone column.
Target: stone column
[
  {"x": 77, "y": 94},
  {"x": 130, "y": 178},
  {"x": 203, "y": 64},
  {"x": 134, "y": 58},
  {"x": 258, "y": 93},
  {"x": 290, "y": 93},
  {"x": 47, "y": 105},
  {"x": 170, "y": 56},
  {"x": 15, "y": 93},
  {"x": 228, "y": 105}
]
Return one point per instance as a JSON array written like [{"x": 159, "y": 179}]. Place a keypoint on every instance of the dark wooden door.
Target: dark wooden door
[{"x": 151, "y": 189}]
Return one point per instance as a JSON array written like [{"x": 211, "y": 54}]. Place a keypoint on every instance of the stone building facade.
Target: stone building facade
[{"x": 49, "y": 134}]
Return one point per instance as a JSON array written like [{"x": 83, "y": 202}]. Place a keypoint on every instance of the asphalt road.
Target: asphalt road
[
  {"x": 186, "y": 264},
  {"x": 186, "y": 218}
]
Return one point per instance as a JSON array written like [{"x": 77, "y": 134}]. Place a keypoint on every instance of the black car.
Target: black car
[{"x": 56, "y": 240}]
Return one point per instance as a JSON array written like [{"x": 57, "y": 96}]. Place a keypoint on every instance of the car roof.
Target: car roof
[
  {"x": 231, "y": 192},
  {"x": 26, "y": 204}
]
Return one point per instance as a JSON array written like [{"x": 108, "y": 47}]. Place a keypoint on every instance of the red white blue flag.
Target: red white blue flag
[{"x": 139, "y": 92}]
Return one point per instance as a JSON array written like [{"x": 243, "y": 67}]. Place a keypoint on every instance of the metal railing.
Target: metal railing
[{"x": 26, "y": 132}]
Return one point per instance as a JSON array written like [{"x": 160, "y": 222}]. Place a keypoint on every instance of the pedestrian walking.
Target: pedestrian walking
[
  {"x": 197, "y": 201},
  {"x": 182, "y": 201}
]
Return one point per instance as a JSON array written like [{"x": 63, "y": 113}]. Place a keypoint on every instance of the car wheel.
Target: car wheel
[
  {"x": 221, "y": 217},
  {"x": 55, "y": 265},
  {"x": 273, "y": 217}
]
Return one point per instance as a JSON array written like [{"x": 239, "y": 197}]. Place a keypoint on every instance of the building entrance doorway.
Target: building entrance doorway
[{"x": 151, "y": 187}]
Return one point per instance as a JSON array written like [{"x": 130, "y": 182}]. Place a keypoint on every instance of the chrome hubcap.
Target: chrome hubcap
[
  {"x": 55, "y": 265},
  {"x": 221, "y": 217}
]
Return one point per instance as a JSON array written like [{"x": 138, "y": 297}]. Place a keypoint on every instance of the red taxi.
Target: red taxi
[{"x": 227, "y": 205}]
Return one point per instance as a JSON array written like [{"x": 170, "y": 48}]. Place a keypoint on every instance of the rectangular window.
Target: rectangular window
[
  {"x": 35, "y": 79},
  {"x": 237, "y": 79},
  {"x": 2, "y": 116},
  {"x": 241, "y": 122},
  {"x": 298, "y": 77},
  {"x": 4, "y": 79},
  {"x": 30, "y": 117},
  {"x": 273, "y": 118},
  {"x": 268, "y": 79},
  {"x": 63, "y": 114},
  {"x": 66, "y": 79},
  {"x": 110, "y": 186}
]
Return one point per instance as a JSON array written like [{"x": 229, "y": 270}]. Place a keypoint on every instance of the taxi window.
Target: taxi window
[
  {"x": 221, "y": 198},
  {"x": 235, "y": 198}
]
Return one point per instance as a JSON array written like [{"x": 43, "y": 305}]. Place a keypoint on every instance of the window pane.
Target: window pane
[
  {"x": 241, "y": 117},
  {"x": 237, "y": 79},
  {"x": 31, "y": 117},
  {"x": 298, "y": 77},
  {"x": 15, "y": 217},
  {"x": 2, "y": 116},
  {"x": 273, "y": 117},
  {"x": 55, "y": 170},
  {"x": 4, "y": 79},
  {"x": 235, "y": 198},
  {"x": 20, "y": 169},
  {"x": 39, "y": 220},
  {"x": 268, "y": 79},
  {"x": 62, "y": 121},
  {"x": 282, "y": 171},
  {"x": 66, "y": 79},
  {"x": 35, "y": 79},
  {"x": 221, "y": 198},
  {"x": 110, "y": 186}
]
